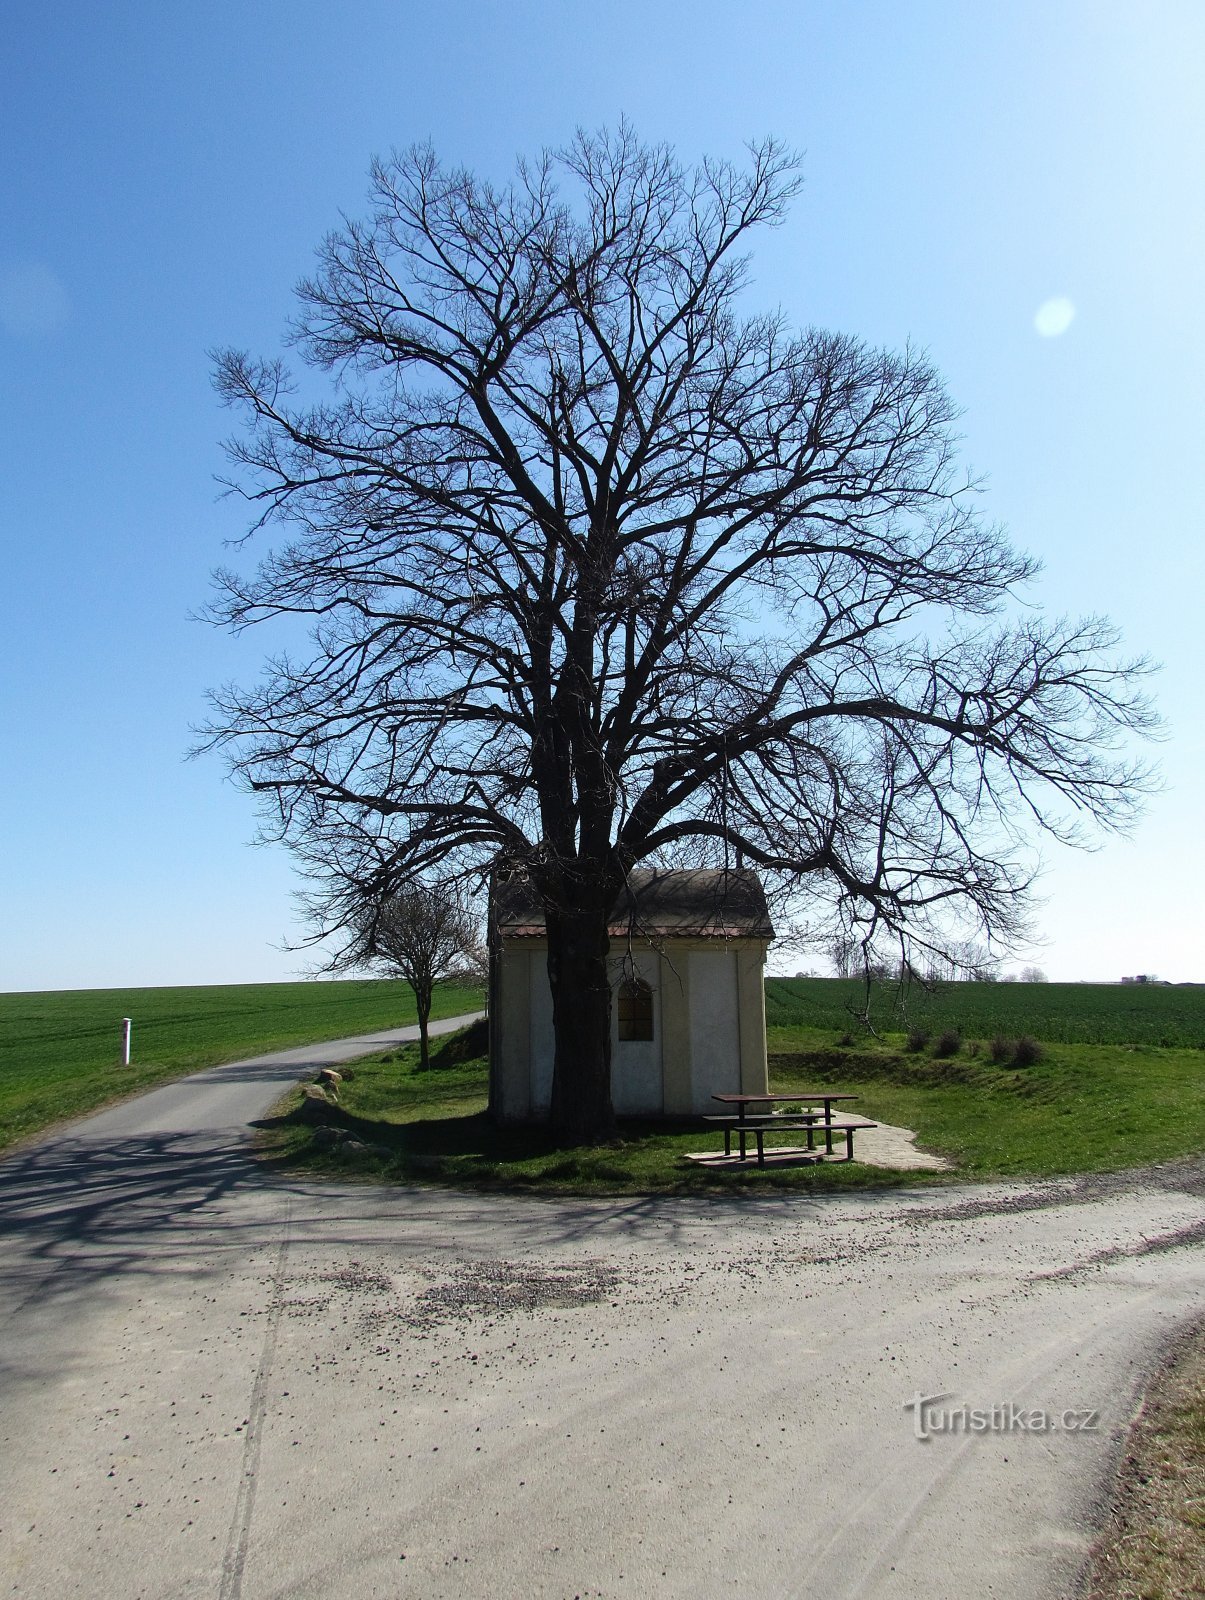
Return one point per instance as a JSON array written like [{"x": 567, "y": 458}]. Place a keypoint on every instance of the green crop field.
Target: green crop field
[
  {"x": 1056, "y": 1013},
  {"x": 59, "y": 1049}
]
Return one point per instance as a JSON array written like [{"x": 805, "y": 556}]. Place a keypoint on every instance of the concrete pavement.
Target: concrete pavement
[{"x": 217, "y": 1382}]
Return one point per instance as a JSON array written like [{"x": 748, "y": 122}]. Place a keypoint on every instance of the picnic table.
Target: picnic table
[{"x": 747, "y": 1124}]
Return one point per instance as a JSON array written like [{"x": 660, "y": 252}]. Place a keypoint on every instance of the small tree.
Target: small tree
[
  {"x": 1032, "y": 975},
  {"x": 979, "y": 965},
  {"x": 845, "y": 956},
  {"x": 423, "y": 934}
]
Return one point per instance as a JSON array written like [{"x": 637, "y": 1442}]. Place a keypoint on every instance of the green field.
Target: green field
[
  {"x": 1058, "y": 1013},
  {"x": 59, "y": 1049},
  {"x": 1122, "y": 1080}
]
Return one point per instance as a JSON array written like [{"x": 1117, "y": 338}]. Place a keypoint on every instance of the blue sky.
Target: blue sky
[{"x": 169, "y": 170}]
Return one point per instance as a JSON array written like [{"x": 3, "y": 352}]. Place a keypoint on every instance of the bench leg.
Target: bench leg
[
  {"x": 849, "y": 1144},
  {"x": 761, "y": 1148},
  {"x": 828, "y": 1138}
]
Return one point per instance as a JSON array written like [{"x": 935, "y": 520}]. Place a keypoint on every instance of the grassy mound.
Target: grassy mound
[{"x": 1080, "y": 1109}]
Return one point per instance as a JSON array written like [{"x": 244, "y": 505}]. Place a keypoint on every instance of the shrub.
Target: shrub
[
  {"x": 948, "y": 1043},
  {"x": 1027, "y": 1051},
  {"x": 846, "y": 1039},
  {"x": 1000, "y": 1049},
  {"x": 918, "y": 1038}
]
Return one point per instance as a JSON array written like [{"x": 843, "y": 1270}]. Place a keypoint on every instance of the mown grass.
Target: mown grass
[
  {"x": 59, "y": 1050},
  {"x": 1058, "y": 1013},
  {"x": 1081, "y": 1109},
  {"x": 432, "y": 1127}
]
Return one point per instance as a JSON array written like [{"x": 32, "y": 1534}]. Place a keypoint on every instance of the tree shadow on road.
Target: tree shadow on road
[{"x": 93, "y": 1206}]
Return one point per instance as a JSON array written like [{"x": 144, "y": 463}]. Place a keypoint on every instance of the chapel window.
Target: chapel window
[{"x": 635, "y": 1010}]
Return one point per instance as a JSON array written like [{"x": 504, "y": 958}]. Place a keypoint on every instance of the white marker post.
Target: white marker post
[{"x": 125, "y": 1041}]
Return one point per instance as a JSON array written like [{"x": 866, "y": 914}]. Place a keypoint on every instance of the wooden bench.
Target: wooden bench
[
  {"x": 769, "y": 1119},
  {"x": 810, "y": 1123}
]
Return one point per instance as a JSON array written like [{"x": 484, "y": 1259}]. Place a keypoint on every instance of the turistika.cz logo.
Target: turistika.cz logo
[{"x": 930, "y": 1417}]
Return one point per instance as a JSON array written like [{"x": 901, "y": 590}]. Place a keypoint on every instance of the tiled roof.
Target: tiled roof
[{"x": 711, "y": 904}]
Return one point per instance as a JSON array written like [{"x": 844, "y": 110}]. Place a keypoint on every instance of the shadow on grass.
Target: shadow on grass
[
  {"x": 470, "y": 1044},
  {"x": 467, "y": 1150}
]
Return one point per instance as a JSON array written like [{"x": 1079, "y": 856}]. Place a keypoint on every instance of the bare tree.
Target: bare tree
[
  {"x": 605, "y": 569},
  {"x": 422, "y": 933},
  {"x": 846, "y": 956},
  {"x": 973, "y": 963},
  {"x": 1033, "y": 975}
]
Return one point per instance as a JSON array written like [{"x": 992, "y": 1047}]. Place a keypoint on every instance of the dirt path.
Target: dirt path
[{"x": 217, "y": 1383}]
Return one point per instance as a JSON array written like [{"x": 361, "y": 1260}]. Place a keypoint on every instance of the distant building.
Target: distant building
[{"x": 688, "y": 1013}]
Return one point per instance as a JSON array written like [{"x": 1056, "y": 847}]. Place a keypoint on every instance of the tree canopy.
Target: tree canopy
[{"x": 605, "y": 567}]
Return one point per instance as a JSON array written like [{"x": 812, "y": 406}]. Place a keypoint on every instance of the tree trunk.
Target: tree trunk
[
  {"x": 581, "y": 1009},
  {"x": 422, "y": 1001}
]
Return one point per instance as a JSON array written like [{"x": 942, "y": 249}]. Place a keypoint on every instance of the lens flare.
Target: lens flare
[{"x": 1054, "y": 317}]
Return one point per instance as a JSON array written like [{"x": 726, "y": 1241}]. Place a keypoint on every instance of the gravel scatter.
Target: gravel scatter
[
  {"x": 491, "y": 1288},
  {"x": 1185, "y": 1176}
]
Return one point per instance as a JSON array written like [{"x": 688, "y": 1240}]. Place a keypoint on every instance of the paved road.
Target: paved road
[{"x": 219, "y": 1383}]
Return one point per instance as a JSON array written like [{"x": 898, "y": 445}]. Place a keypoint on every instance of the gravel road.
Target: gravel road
[{"x": 217, "y": 1382}]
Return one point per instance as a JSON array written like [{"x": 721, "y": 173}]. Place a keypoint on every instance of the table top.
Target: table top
[{"x": 802, "y": 1094}]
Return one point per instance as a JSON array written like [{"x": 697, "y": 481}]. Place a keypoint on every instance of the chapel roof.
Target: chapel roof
[{"x": 713, "y": 904}]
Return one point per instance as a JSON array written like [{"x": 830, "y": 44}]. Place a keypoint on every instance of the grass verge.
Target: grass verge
[
  {"x": 1081, "y": 1109},
  {"x": 59, "y": 1050},
  {"x": 1154, "y": 1545}
]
